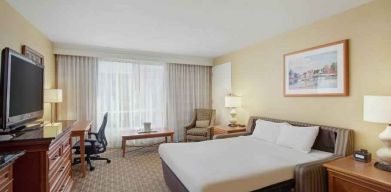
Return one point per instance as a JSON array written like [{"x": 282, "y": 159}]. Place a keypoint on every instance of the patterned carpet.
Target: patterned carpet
[{"x": 139, "y": 171}]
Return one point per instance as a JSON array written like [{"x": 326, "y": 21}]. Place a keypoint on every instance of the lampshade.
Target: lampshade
[
  {"x": 377, "y": 109},
  {"x": 233, "y": 101},
  {"x": 53, "y": 95}
]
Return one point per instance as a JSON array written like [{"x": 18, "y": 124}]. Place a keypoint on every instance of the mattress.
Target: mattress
[{"x": 235, "y": 164}]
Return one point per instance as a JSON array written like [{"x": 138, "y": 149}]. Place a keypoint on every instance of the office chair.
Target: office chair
[{"x": 93, "y": 147}]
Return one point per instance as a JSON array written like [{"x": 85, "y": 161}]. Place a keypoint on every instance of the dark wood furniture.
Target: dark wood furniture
[
  {"x": 346, "y": 175},
  {"x": 6, "y": 166},
  {"x": 46, "y": 166},
  {"x": 225, "y": 129},
  {"x": 132, "y": 135},
  {"x": 79, "y": 129}
]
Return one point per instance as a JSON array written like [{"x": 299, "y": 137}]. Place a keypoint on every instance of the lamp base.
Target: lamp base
[{"x": 383, "y": 166}]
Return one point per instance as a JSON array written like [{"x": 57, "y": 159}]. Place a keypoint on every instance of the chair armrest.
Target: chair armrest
[
  {"x": 189, "y": 126},
  {"x": 312, "y": 176},
  {"x": 92, "y": 141},
  {"x": 223, "y": 136},
  {"x": 92, "y": 133}
]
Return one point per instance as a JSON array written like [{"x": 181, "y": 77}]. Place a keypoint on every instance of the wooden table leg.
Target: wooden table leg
[
  {"x": 82, "y": 155},
  {"x": 165, "y": 138},
  {"x": 123, "y": 147},
  {"x": 172, "y": 138}
]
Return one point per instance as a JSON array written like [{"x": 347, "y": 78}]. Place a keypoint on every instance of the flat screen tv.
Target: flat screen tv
[{"x": 21, "y": 90}]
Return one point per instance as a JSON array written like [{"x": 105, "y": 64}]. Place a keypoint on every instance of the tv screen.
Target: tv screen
[
  {"x": 22, "y": 90},
  {"x": 26, "y": 87}
]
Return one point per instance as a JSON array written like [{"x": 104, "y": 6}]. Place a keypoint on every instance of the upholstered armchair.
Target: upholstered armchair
[{"x": 201, "y": 126}]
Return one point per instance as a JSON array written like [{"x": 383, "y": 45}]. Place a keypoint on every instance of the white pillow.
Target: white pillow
[
  {"x": 298, "y": 138},
  {"x": 267, "y": 130}
]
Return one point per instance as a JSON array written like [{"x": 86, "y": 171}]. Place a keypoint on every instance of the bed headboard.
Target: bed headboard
[{"x": 330, "y": 139}]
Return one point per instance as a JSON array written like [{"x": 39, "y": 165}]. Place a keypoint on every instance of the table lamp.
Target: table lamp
[
  {"x": 52, "y": 96},
  {"x": 233, "y": 102},
  {"x": 378, "y": 109}
]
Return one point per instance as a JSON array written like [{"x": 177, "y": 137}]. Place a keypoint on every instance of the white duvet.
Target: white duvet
[{"x": 234, "y": 164}]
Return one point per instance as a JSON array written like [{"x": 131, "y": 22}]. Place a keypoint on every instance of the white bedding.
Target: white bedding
[{"x": 233, "y": 164}]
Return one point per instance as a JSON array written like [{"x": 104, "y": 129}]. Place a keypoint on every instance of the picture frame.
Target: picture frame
[
  {"x": 318, "y": 71},
  {"x": 32, "y": 54}
]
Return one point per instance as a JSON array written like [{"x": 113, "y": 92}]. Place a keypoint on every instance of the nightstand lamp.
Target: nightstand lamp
[
  {"x": 52, "y": 96},
  {"x": 378, "y": 109},
  {"x": 233, "y": 102}
]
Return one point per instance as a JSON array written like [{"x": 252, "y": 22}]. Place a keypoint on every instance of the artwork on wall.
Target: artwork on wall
[
  {"x": 32, "y": 54},
  {"x": 318, "y": 71}
]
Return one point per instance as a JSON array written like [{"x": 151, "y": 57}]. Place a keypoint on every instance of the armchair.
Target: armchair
[{"x": 201, "y": 126}]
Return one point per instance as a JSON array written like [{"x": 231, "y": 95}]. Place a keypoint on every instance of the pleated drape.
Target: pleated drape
[
  {"x": 188, "y": 88},
  {"x": 77, "y": 77}
]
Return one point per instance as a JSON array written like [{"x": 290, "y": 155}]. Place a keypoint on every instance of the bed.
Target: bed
[{"x": 240, "y": 162}]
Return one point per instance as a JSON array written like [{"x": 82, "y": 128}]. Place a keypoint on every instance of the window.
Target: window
[{"x": 132, "y": 93}]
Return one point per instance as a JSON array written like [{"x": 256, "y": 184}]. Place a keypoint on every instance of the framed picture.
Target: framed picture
[
  {"x": 32, "y": 54},
  {"x": 318, "y": 71}
]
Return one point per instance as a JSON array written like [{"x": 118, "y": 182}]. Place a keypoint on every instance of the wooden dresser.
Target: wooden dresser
[
  {"x": 46, "y": 166},
  {"x": 6, "y": 170},
  {"x": 348, "y": 175}
]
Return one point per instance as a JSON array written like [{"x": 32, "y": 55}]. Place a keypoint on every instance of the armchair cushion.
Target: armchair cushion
[
  {"x": 198, "y": 131},
  {"x": 202, "y": 123}
]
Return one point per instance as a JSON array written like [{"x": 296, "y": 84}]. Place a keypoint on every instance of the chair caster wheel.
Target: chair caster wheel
[
  {"x": 92, "y": 168},
  {"x": 108, "y": 161}
]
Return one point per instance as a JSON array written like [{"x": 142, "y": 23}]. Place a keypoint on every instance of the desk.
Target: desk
[
  {"x": 133, "y": 135},
  {"x": 79, "y": 130}
]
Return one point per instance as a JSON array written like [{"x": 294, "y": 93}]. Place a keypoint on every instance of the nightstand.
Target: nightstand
[
  {"x": 346, "y": 175},
  {"x": 225, "y": 129}
]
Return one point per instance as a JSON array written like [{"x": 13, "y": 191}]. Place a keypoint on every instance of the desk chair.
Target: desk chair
[{"x": 93, "y": 147}]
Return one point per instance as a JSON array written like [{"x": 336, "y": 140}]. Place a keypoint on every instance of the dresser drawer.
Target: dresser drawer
[
  {"x": 54, "y": 156},
  {"x": 7, "y": 187},
  {"x": 59, "y": 174},
  {"x": 66, "y": 143},
  {"x": 59, "y": 150},
  {"x": 5, "y": 176},
  {"x": 340, "y": 182},
  {"x": 56, "y": 175},
  {"x": 65, "y": 182}
]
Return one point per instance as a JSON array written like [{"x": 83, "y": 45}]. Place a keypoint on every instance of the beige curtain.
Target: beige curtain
[
  {"x": 188, "y": 88},
  {"x": 77, "y": 77}
]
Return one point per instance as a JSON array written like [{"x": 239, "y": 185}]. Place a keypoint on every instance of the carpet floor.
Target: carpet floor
[{"x": 139, "y": 171}]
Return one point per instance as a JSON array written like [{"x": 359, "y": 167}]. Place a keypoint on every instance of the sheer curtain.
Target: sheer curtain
[
  {"x": 77, "y": 76},
  {"x": 188, "y": 87},
  {"x": 133, "y": 93}
]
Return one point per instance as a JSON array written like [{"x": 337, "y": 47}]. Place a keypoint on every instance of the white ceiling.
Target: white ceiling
[{"x": 207, "y": 28}]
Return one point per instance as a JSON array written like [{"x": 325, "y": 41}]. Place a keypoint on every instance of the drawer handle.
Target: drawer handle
[
  {"x": 55, "y": 157},
  {"x": 62, "y": 188},
  {"x": 61, "y": 169}
]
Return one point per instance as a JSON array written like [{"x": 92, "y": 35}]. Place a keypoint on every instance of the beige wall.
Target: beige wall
[
  {"x": 16, "y": 31},
  {"x": 257, "y": 72}
]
